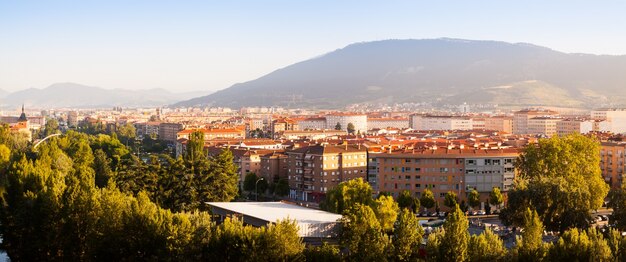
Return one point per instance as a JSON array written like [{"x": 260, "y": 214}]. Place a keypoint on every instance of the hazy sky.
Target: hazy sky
[{"x": 210, "y": 45}]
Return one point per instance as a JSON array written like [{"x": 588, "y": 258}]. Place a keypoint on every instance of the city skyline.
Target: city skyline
[{"x": 208, "y": 46}]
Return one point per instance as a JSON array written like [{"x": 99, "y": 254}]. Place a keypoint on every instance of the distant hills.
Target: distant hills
[
  {"x": 82, "y": 96},
  {"x": 446, "y": 71}
]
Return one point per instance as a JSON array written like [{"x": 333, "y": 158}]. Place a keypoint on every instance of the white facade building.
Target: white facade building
[
  {"x": 421, "y": 122},
  {"x": 616, "y": 118},
  {"x": 358, "y": 120}
]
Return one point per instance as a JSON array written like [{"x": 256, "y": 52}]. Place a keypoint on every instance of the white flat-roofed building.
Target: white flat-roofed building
[
  {"x": 358, "y": 120},
  {"x": 312, "y": 223},
  {"x": 422, "y": 122},
  {"x": 383, "y": 123},
  {"x": 615, "y": 116},
  {"x": 316, "y": 123},
  {"x": 578, "y": 126}
]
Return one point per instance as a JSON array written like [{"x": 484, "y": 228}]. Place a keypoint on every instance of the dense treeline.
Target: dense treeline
[{"x": 86, "y": 197}]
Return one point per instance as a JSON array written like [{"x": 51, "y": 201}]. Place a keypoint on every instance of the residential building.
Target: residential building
[
  {"x": 313, "y": 170},
  {"x": 214, "y": 133},
  {"x": 168, "y": 131},
  {"x": 442, "y": 170},
  {"x": 542, "y": 125},
  {"x": 499, "y": 123},
  {"x": 521, "y": 118},
  {"x": 612, "y": 159},
  {"x": 315, "y": 123},
  {"x": 344, "y": 119},
  {"x": 616, "y": 117},
  {"x": 383, "y": 123},
  {"x": 427, "y": 122},
  {"x": 577, "y": 126}
]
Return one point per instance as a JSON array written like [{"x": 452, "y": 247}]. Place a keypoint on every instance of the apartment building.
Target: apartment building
[
  {"x": 383, "y": 123},
  {"x": 314, "y": 123},
  {"x": 312, "y": 134},
  {"x": 427, "y": 122},
  {"x": 283, "y": 124},
  {"x": 521, "y": 118},
  {"x": 213, "y": 133},
  {"x": 479, "y": 123},
  {"x": 358, "y": 120},
  {"x": 499, "y": 123},
  {"x": 168, "y": 131},
  {"x": 577, "y": 126},
  {"x": 313, "y": 170},
  {"x": 612, "y": 159},
  {"x": 542, "y": 125},
  {"x": 274, "y": 166},
  {"x": 615, "y": 116},
  {"x": 442, "y": 170}
]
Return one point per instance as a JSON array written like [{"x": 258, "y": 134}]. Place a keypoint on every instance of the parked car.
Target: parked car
[
  {"x": 424, "y": 213},
  {"x": 474, "y": 212},
  {"x": 442, "y": 214},
  {"x": 604, "y": 217},
  {"x": 432, "y": 214},
  {"x": 481, "y": 213}
]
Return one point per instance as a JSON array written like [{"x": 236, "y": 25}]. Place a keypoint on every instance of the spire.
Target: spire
[{"x": 22, "y": 116}]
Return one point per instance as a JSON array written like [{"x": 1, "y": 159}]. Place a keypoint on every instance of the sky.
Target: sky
[{"x": 210, "y": 45}]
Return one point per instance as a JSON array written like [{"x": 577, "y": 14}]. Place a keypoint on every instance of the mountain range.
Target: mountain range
[
  {"x": 445, "y": 71},
  {"x": 82, "y": 96}
]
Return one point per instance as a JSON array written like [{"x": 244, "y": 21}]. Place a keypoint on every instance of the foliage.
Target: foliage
[
  {"x": 455, "y": 241},
  {"x": 350, "y": 128},
  {"x": 338, "y": 126},
  {"x": 560, "y": 177},
  {"x": 530, "y": 246},
  {"x": 486, "y": 247},
  {"x": 495, "y": 197},
  {"x": 347, "y": 194},
  {"x": 386, "y": 210},
  {"x": 617, "y": 201},
  {"x": 473, "y": 199},
  {"x": 127, "y": 132},
  {"x": 282, "y": 187},
  {"x": 51, "y": 127},
  {"x": 406, "y": 200},
  {"x": 407, "y": 237},
  {"x": 428, "y": 199},
  {"x": 450, "y": 199},
  {"x": 323, "y": 253},
  {"x": 577, "y": 245},
  {"x": 362, "y": 234}
]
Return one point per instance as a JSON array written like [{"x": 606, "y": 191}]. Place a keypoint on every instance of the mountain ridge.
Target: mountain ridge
[{"x": 444, "y": 70}]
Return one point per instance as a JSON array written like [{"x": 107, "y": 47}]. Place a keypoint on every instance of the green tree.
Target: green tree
[
  {"x": 455, "y": 240},
  {"x": 51, "y": 127},
  {"x": 617, "y": 244},
  {"x": 495, "y": 197},
  {"x": 386, "y": 210},
  {"x": 486, "y": 247},
  {"x": 282, "y": 187},
  {"x": 127, "y": 132},
  {"x": 195, "y": 147},
  {"x": 249, "y": 182},
  {"x": 323, "y": 253},
  {"x": 347, "y": 194},
  {"x": 222, "y": 184},
  {"x": 406, "y": 200},
  {"x": 530, "y": 246},
  {"x": 338, "y": 126},
  {"x": 473, "y": 198},
  {"x": 578, "y": 245},
  {"x": 433, "y": 245},
  {"x": 428, "y": 199},
  {"x": 560, "y": 177},
  {"x": 450, "y": 199},
  {"x": 101, "y": 166},
  {"x": 350, "y": 128},
  {"x": 362, "y": 234},
  {"x": 407, "y": 237}
]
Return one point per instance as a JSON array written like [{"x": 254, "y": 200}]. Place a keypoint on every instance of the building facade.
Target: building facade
[{"x": 344, "y": 119}]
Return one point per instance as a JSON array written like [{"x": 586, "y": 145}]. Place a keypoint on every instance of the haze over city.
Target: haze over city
[{"x": 210, "y": 45}]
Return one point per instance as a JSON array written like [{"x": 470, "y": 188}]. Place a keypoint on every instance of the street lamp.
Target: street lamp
[{"x": 256, "y": 189}]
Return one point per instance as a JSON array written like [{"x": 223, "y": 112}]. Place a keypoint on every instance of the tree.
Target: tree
[
  {"x": 362, "y": 234},
  {"x": 51, "y": 127},
  {"x": 195, "y": 147},
  {"x": 221, "y": 184},
  {"x": 473, "y": 198},
  {"x": 101, "y": 165},
  {"x": 495, "y": 197},
  {"x": 386, "y": 210},
  {"x": 323, "y": 253},
  {"x": 347, "y": 194},
  {"x": 249, "y": 182},
  {"x": 455, "y": 240},
  {"x": 127, "y": 131},
  {"x": 350, "y": 128},
  {"x": 486, "y": 247},
  {"x": 282, "y": 187},
  {"x": 406, "y": 200},
  {"x": 450, "y": 199},
  {"x": 338, "y": 126},
  {"x": 407, "y": 237},
  {"x": 617, "y": 201},
  {"x": 560, "y": 177},
  {"x": 578, "y": 245},
  {"x": 530, "y": 247},
  {"x": 428, "y": 199}
]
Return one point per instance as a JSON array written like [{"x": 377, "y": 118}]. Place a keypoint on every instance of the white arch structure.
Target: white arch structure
[{"x": 46, "y": 138}]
